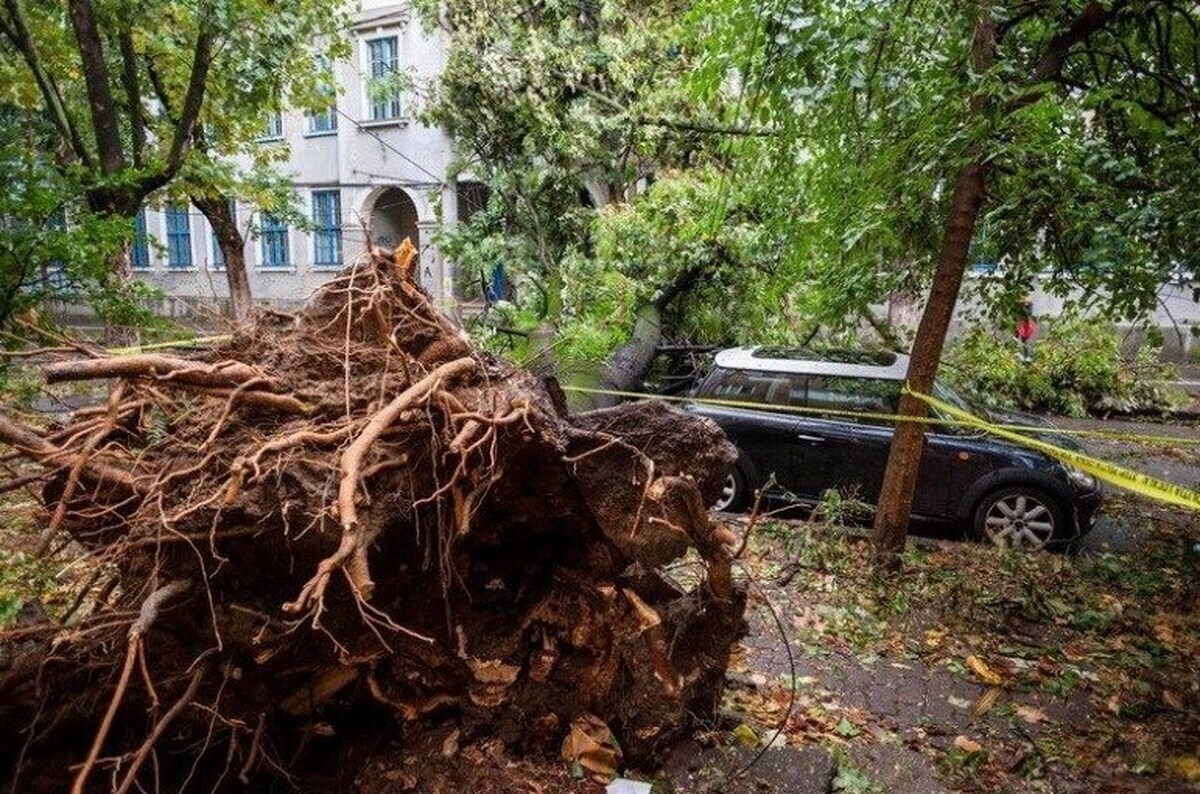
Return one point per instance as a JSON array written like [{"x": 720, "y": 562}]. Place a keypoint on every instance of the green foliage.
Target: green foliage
[
  {"x": 799, "y": 158},
  {"x": 53, "y": 247},
  {"x": 604, "y": 173},
  {"x": 22, "y": 577},
  {"x": 1077, "y": 368},
  {"x": 837, "y": 509},
  {"x": 1091, "y": 158},
  {"x": 739, "y": 290},
  {"x": 91, "y": 161},
  {"x": 548, "y": 105}
]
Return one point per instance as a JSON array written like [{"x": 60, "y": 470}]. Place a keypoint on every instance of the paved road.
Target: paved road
[{"x": 1176, "y": 463}]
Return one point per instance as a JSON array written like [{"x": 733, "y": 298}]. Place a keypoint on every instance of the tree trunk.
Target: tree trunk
[
  {"x": 627, "y": 365},
  {"x": 631, "y": 361},
  {"x": 95, "y": 73},
  {"x": 233, "y": 248},
  {"x": 121, "y": 264},
  {"x": 904, "y": 459}
]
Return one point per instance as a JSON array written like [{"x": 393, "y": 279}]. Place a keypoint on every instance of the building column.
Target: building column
[
  {"x": 432, "y": 266},
  {"x": 449, "y": 221}
]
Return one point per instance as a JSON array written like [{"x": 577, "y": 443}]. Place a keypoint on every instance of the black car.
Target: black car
[{"x": 1003, "y": 492}]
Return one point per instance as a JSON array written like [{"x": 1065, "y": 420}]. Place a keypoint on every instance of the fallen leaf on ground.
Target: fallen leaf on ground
[
  {"x": 745, "y": 735},
  {"x": 985, "y": 674},
  {"x": 591, "y": 745},
  {"x": 983, "y": 704},
  {"x": 1187, "y": 767},
  {"x": 1030, "y": 714},
  {"x": 967, "y": 745},
  {"x": 1164, "y": 634},
  {"x": 847, "y": 728}
]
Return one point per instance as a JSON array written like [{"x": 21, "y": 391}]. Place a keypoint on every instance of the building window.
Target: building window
[
  {"x": 179, "y": 236},
  {"x": 327, "y": 228},
  {"x": 273, "y": 126},
  {"x": 384, "y": 57},
  {"x": 322, "y": 123},
  {"x": 218, "y": 256},
  {"x": 140, "y": 255},
  {"x": 274, "y": 235}
]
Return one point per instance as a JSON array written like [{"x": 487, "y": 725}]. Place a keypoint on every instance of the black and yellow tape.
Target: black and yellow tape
[
  {"x": 936, "y": 421},
  {"x": 952, "y": 416},
  {"x": 1128, "y": 479}
]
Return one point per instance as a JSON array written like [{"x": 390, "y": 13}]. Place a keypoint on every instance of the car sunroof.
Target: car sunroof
[{"x": 869, "y": 358}]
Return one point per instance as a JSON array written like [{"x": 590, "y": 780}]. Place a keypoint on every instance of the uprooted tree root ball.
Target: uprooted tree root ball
[{"x": 350, "y": 521}]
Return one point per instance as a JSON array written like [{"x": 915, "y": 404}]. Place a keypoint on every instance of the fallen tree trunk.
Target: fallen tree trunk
[{"x": 432, "y": 538}]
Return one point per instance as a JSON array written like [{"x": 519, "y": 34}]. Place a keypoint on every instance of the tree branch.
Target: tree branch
[
  {"x": 21, "y": 38},
  {"x": 133, "y": 93},
  {"x": 189, "y": 113},
  {"x": 105, "y": 124},
  {"x": 160, "y": 89},
  {"x": 193, "y": 100},
  {"x": 1091, "y": 19}
]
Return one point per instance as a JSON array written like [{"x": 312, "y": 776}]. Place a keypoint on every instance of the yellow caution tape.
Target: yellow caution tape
[
  {"x": 1109, "y": 472},
  {"x": 1104, "y": 435},
  {"x": 752, "y": 406},
  {"x": 195, "y": 342}
]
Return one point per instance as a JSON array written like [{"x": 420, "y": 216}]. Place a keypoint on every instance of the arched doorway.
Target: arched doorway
[{"x": 393, "y": 218}]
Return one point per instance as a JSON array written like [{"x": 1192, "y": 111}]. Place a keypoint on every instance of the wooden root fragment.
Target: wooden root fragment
[
  {"x": 181, "y": 370},
  {"x": 41, "y": 450},
  {"x": 110, "y": 423},
  {"x": 159, "y": 729},
  {"x": 351, "y": 552},
  {"x": 284, "y": 403},
  {"x": 146, "y": 616}
]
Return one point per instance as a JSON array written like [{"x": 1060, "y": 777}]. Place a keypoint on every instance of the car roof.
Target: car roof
[{"x": 802, "y": 361}]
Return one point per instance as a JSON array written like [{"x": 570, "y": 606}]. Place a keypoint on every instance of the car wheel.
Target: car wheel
[
  {"x": 733, "y": 493},
  {"x": 1019, "y": 518}
]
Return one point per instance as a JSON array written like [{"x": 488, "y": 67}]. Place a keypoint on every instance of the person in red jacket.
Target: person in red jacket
[{"x": 1026, "y": 329}]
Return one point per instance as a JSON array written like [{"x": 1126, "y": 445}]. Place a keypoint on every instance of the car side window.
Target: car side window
[
  {"x": 871, "y": 395},
  {"x": 770, "y": 388}
]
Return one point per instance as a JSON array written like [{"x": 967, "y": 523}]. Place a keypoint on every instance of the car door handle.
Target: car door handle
[{"x": 810, "y": 439}]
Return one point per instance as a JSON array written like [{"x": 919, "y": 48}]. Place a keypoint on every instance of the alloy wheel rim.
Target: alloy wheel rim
[
  {"x": 728, "y": 491},
  {"x": 1019, "y": 522}
]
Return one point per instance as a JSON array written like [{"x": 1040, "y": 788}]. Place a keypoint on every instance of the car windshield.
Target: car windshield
[{"x": 948, "y": 395}]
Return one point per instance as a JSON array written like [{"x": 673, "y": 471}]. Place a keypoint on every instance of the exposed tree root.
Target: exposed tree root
[{"x": 357, "y": 511}]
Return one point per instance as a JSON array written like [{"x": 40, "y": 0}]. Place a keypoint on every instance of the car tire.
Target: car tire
[
  {"x": 734, "y": 493},
  {"x": 1021, "y": 518}
]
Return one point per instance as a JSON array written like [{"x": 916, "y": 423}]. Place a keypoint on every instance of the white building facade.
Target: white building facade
[{"x": 365, "y": 169}]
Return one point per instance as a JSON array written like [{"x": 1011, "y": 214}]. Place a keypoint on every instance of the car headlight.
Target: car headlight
[{"x": 1081, "y": 479}]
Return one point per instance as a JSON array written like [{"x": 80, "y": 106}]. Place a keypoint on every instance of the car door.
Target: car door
[
  {"x": 839, "y": 450},
  {"x": 763, "y": 436},
  {"x": 841, "y": 454},
  {"x": 848, "y": 450}
]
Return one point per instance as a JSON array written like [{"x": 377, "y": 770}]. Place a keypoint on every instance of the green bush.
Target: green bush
[{"x": 1077, "y": 368}]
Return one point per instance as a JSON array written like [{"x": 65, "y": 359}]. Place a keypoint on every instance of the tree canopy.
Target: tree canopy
[
  {"x": 126, "y": 98},
  {"x": 1088, "y": 130}
]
